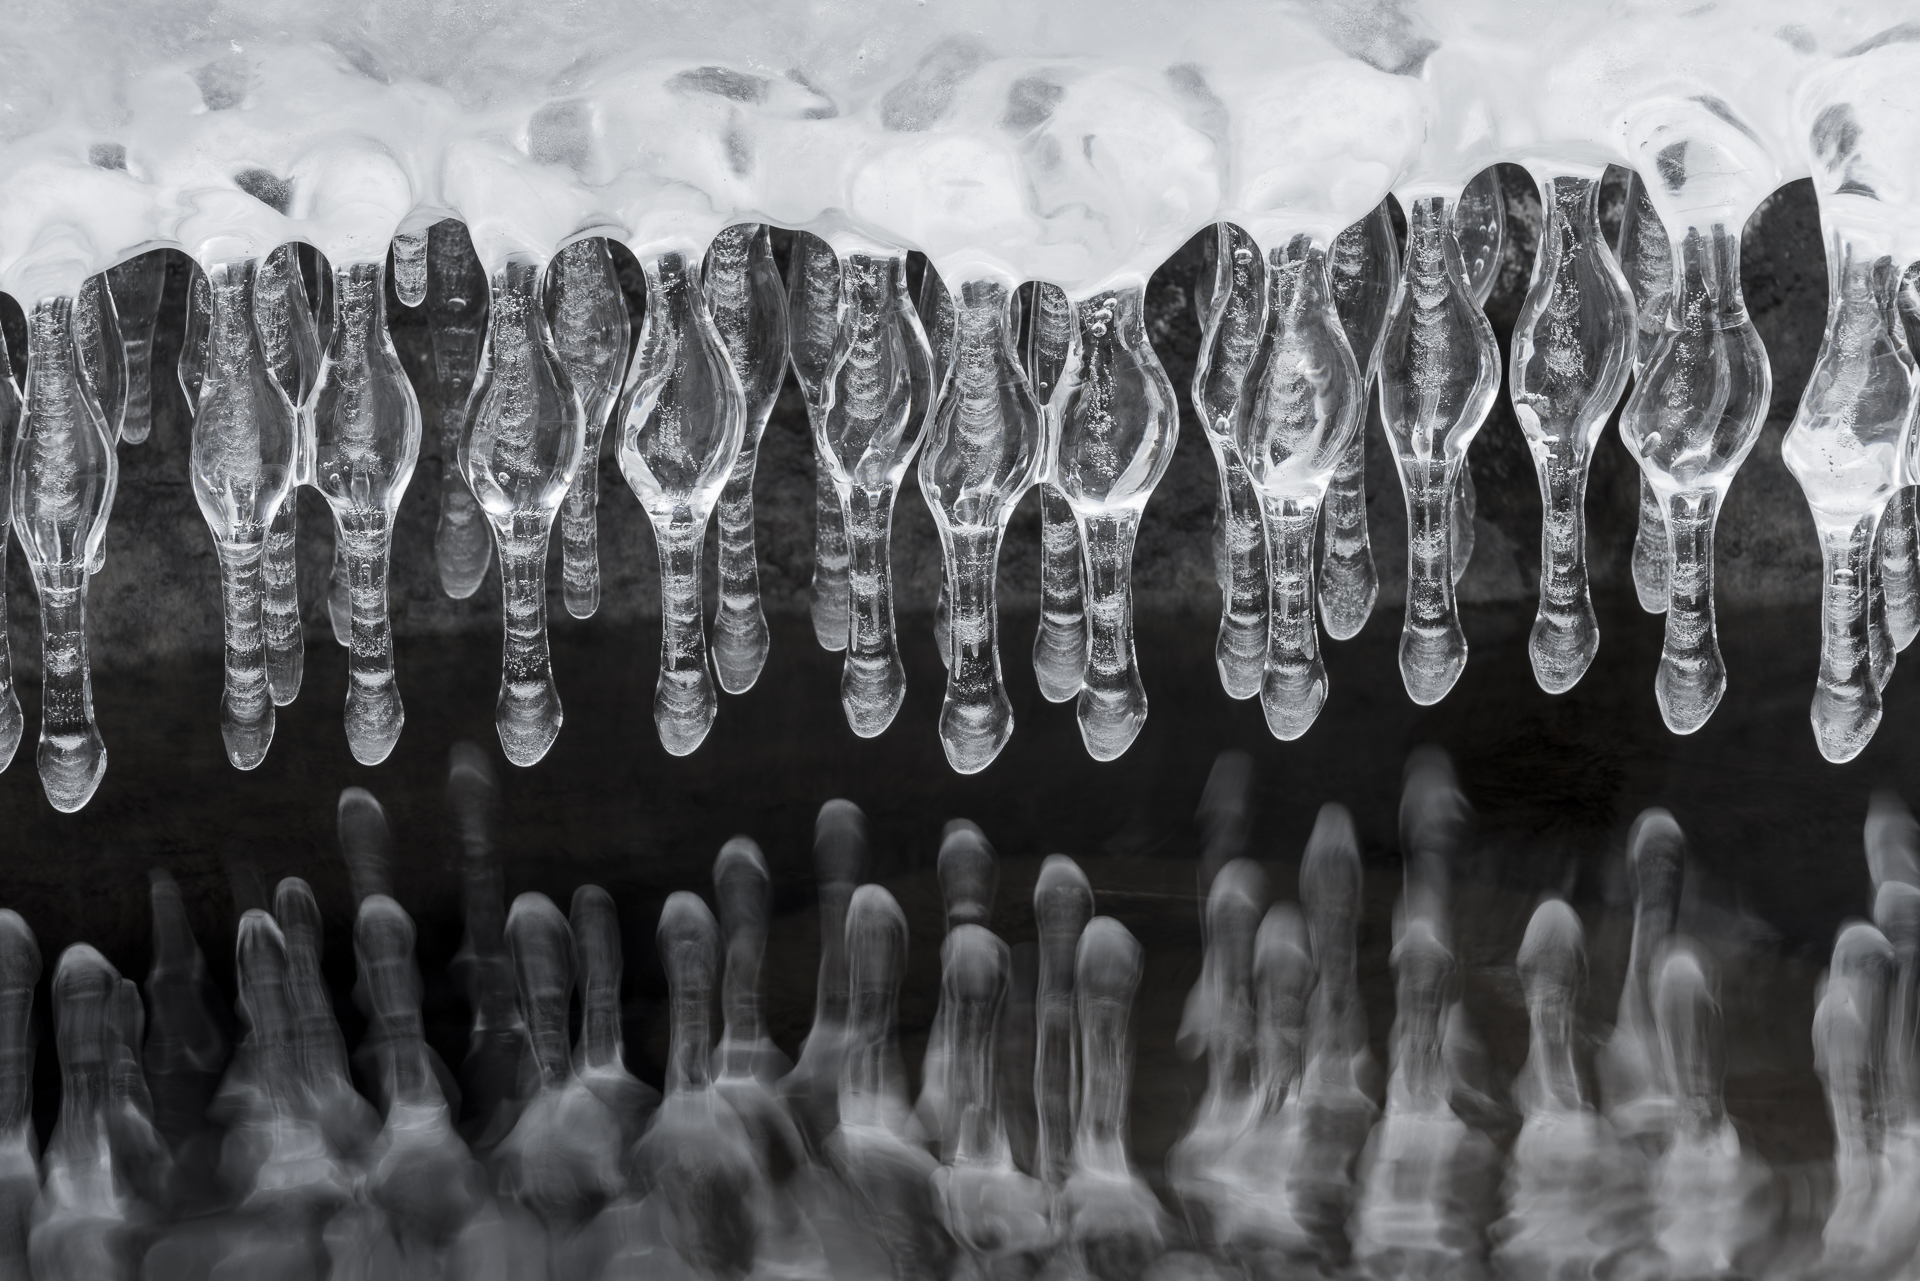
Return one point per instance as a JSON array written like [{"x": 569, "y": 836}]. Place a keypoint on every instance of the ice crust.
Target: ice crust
[{"x": 1074, "y": 141}]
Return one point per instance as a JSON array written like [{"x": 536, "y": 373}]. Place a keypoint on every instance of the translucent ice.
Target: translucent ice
[
  {"x": 137, "y": 285},
  {"x": 12, "y": 720},
  {"x": 587, "y": 315},
  {"x": 1060, "y": 643},
  {"x": 1646, "y": 259},
  {"x": 1364, "y": 265},
  {"x": 457, "y": 304}
]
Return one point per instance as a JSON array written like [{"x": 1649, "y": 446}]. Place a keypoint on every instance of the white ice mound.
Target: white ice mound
[{"x": 1077, "y": 141}]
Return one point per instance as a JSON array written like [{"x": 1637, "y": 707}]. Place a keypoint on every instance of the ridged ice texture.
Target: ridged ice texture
[
  {"x": 245, "y": 442},
  {"x": 882, "y": 394},
  {"x": 1298, "y": 412},
  {"x": 64, "y": 476},
  {"x": 748, "y": 303},
  {"x": 1230, "y": 334},
  {"x": 524, "y": 428},
  {"x": 681, "y": 417},
  {"x": 1060, "y": 643},
  {"x": 137, "y": 285},
  {"x": 1115, "y": 426},
  {"x": 1897, "y": 554},
  {"x": 362, "y": 431},
  {"x": 1439, "y": 372},
  {"x": 935, "y": 306},
  {"x": 457, "y": 296},
  {"x": 96, "y": 341},
  {"x": 1696, "y": 411},
  {"x": 813, "y": 318},
  {"x": 1479, "y": 219},
  {"x": 291, "y": 344},
  {"x": 12, "y": 720},
  {"x": 587, "y": 315},
  {"x": 1646, "y": 259},
  {"x": 1364, "y": 266},
  {"x": 984, "y": 452},
  {"x": 1572, "y": 351},
  {"x": 410, "y": 266},
  {"x": 1844, "y": 448}
]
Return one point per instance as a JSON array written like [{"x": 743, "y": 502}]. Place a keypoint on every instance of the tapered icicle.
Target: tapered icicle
[
  {"x": 291, "y": 344},
  {"x": 882, "y": 375},
  {"x": 1898, "y": 549},
  {"x": 681, "y": 418},
  {"x": 64, "y": 476},
  {"x": 1572, "y": 349},
  {"x": 984, "y": 452},
  {"x": 520, "y": 452},
  {"x": 1116, "y": 422},
  {"x": 244, "y": 451},
  {"x": 1439, "y": 374},
  {"x": 1646, "y": 259},
  {"x": 749, "y": 308},
  {"x": 363, "y": 437},
  {"x": 1229, "y": 339},
  {"x": 1364, "y": 266},
  {"x": 1298, "y": 413},
  {"x": 457, "y": 297},
  {"x": 1479, "y": 219},
  {"x": 1696, "y": 411},
  {"x": 103, "y": 368},
  {"x": 935, "y": 306},
  {"x": 1060, "y": 644},
  {"x": 13, "y": 722},
  {"x": 1844, "y": 448},
  {"x": 587, "y": 314},
  {"x": 813, "y": 310},
  {"x": 192, "y": 362},
  {"x": 137, "y": 285},
  {"x": 410, "y": 266}
]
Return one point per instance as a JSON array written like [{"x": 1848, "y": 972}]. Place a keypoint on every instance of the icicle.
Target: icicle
[
  {"x": 1571, "y": 351},
  {"x": 1646, "y": 259},
  {"x": 363, "y": 436},
  {"x": 1060, "y": 645},
  {"x": 1062, "y": 906},
  {"x": 520, "y": 452},
  {"x": 682, "y": 417},
  {"x": 1479, "y": 219},
  {"x": 984, "y": 452},
  {"x": 1439, "y": 373},
  {"x": 244, "y": 454},
  {"x": 587, "y": 315},
  {"x": 1299, "y": 409},
  {"x": 410, "y": 266},
  {"x": 1897, "y": 562},
  {"x": 192, "y": 362},
  {"x": 598, "y": 1056},
  {"x": 13, "y": 722},
  {"x": 103, "y": 368},
  {"x": 882, "y": 389},
  {"x": 64, "y": 478},
  {"x": 749, "y": 308},
  {"x": 935, "y": 306},
  {"x": 19, "y": 1143},
  {"x": 137, "y": 285},
  {"x": 1230, "y": 337},
  {"x": 1364, "y": 267},
  {"x": 813, "y": 308},
  {"x": 291, "y": 343},
  {"x": 457, "y": 301},
  {"x": 1115, "y": 425}
]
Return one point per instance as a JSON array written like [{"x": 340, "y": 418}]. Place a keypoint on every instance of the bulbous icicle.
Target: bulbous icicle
[
  {"x": 935, "y": 306},
  {"x": 64, "y": 476},
  {"x": 749, "y": 308},
  {"x": 363, "y": 436},
  {"x": 1897, "y": 557},
  {"x": 291, "y": 344},
  {"x": 410, "y": 266},
  {"x": 813, "y": 308},
  {"x": 682, "y": 417},
  {"x": 244, "y": 452},
  {"x": 1844, "y": 448},
  {"x": 587, "y": 315},
  {"x": 12, "y": 720},
  {"x": 1695, "y": 413},
  {"x": 1230, "y": 336},
  {"x": 1439, "y": 373},
  {"x": 1646, "y": 259},
  {"x": 983, "y": 453},
  {"x": 1117, "y": 425},
  {"x": 1060, "y": 644},
  {"x": 137, "y": 285},
  {"x": 883, "y": 387},
  {"x": 1298, "y": 413},
  {"x": 457, "y": 299},
  {"x": 96, "y": 340},
  {"x": 1571, "y": 351},
  {"x": 521, "y": 451},
  {"x": 1364, "y": 267},
  {"x": 1479, "y": 219}
]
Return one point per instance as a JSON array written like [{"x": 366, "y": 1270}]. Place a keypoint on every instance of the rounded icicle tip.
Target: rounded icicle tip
[
  {"x": 684, "y": 918},
  {"x": 1656, "y": 850},
  {"x": 1062, "y": 896},
  {"x": 294, "y": 906},
  {"x": 1108, "y": 962},
  {"x": 1682, "y": 979},
  {"x": 874, "y": 914},
  {"x": 82, "y": 972},
  {"x": 1282, "y": 941},
  {"x": 1896, "y": 910},
  {"x": 840, "y": 843},
  {"x": 1892, "y": 839},
  {"x": 1330, "y": 870},
  {"x": 1240, "y": 886},
  {"x": 19, "y": 951},
  {"x": 531, "y": 912},
  {"x": 977, "y": 963},
  {"x": 1555, "y": 944},
  {"x": 382, "y": 927},
  {"x": 1860, "y": 949},
  {"x": 739, "y": 857},
  {"x": 968, "y": 874}
]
